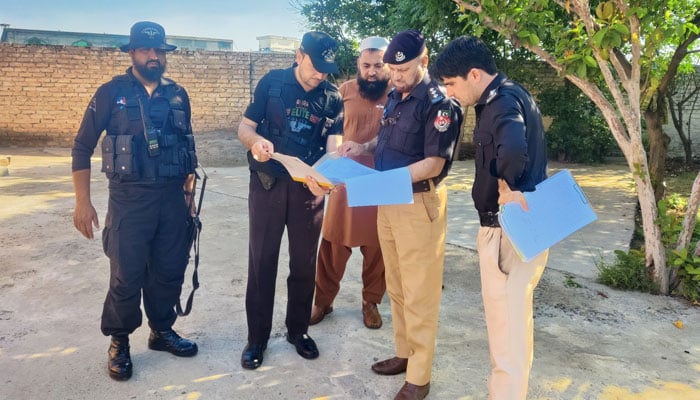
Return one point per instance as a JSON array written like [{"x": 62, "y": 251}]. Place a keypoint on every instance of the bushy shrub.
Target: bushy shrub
[
  {"x": 627, "y": 272},
  {"x": 578, "y": 132}
]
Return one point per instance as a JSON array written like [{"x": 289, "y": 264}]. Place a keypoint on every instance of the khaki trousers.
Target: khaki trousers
[
  {"x": 412, "y": 238},
  {"x": 507, "y": 286}
]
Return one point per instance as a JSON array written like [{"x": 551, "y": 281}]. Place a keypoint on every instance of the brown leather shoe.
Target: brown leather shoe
[
  {"x": 392, "y": 366},
  {"x": 318, "y": 313},
  {"x": 410, "y": 391},
  {"x": 370, "y": 316}
]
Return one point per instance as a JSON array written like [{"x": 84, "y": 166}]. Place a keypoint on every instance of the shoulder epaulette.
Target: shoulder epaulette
[{"x": 436, "y": 95}]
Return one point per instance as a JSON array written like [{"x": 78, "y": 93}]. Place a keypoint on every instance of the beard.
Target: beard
[
  {"x": 152, "y": 73},
  {"x": 371, "y": 90}
]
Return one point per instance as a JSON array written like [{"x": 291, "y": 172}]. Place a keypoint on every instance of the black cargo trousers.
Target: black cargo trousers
[{"x": 145, "y": 238}]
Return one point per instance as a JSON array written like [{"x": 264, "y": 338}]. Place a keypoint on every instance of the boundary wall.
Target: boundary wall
[{"x": 45, "y": 89}]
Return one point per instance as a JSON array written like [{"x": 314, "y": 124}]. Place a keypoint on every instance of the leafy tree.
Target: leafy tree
[
  {"x": 346, "y": 21},
  {"x": 351, "y": 20},
  {"x": 578, "y": 132},
  {"x": 611, "y": 51}
]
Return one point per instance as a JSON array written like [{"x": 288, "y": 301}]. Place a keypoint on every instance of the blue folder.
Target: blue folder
[
  {"x": 338, "y": 169},
  {"x": 380, "y": 188},
  {"x": 558, "y": 208},
  {"x": 366, "y": 186}
]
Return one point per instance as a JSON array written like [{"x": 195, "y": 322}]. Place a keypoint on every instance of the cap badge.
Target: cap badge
[
  {"x": 399, "y": 56},
  {"x": 150, "y": 32},
  {"x": 328, "y": 55}
]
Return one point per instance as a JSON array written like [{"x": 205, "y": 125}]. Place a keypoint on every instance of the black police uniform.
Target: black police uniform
[
  {"x": 147, "y": 154},
  {"x": 298, "y": 123},
  {"x": 516, "y": 151}
]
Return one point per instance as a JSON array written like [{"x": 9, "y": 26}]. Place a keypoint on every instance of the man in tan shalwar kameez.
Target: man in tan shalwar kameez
[{"x": 347, "y": 227}]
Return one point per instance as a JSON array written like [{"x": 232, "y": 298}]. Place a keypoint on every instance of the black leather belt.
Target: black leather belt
[
  {"x": 489, "y": 219},
  {"x": 423, "y": 186}
]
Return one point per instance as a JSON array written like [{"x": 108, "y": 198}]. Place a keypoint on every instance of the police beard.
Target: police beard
[
  {"x": 151, "y": 74},
  {"x": 371, "y": 90}
]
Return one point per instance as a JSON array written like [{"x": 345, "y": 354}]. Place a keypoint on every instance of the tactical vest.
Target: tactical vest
[
  {"x": 308, "y": 145},
  {"x": 136, "y": 151}
]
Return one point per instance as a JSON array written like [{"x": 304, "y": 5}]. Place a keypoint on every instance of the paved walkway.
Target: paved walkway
[{"x": 591, "y": 342}]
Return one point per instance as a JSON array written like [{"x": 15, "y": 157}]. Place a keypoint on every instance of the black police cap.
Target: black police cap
[
  {"x": 404, "y": 47},
  {"x": 147, "y": 34}
]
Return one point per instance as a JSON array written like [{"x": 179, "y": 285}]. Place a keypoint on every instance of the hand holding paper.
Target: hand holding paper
[
  {"x": 558, "y": 208},
  {"x": 365, "y": 186},
  {"x": 316, "y": 188},
  {"x": 505, "y": 195},
  {"x": 262, "y": 150}
]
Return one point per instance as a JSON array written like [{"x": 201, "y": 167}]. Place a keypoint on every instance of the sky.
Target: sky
[{"x": 238, "y": 20}]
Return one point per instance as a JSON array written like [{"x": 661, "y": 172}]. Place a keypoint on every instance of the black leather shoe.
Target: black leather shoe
[
  {"x": 171, "y": 342},
  {"x": 252, "y": 356},
  {"x": 119, "y": 362},
  {"x": 306, "y": 347}
]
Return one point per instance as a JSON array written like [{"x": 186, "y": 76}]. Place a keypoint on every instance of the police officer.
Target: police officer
[
  {"x": 419, "y": 130},
  {"x": 148, "y": 155},
  {"x": 511, "y": 158},
  {"x": 295, "y": 111}
]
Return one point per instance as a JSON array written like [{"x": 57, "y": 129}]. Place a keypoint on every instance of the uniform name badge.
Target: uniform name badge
[{"x": 443, "y": 120}]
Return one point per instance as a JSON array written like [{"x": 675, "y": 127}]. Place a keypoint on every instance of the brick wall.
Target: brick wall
[{"x": 44, "y": 90}]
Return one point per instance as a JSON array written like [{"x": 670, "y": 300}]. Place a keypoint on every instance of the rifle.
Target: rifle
[{"x": 194, "y": 228}]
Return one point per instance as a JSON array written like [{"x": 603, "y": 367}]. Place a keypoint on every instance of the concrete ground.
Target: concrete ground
[{"x": 591, "y": 342}]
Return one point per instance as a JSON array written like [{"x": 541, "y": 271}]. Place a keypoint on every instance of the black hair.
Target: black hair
[{"x": 460, "y": 56}]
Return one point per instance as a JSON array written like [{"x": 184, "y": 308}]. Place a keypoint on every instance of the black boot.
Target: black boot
[
  {"x": 119, "y": 362},
  {"x": 171, "y": 342}
]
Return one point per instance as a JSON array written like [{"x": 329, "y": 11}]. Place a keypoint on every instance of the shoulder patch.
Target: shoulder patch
[{"x": 443, "y": 119}]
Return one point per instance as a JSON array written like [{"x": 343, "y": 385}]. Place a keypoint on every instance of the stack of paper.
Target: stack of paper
[{"x": 364, "y": 186}]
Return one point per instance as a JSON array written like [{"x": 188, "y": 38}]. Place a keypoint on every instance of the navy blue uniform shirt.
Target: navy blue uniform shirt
[
  {"x": 509, "y": 142},
  {"x": 424, "y": 124}
]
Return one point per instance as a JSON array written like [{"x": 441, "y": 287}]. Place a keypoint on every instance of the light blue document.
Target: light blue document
[
  {"x": 338, "y": 169},
  {"x": 380, "y": 188},
  {"x": 558, "y": 208}
]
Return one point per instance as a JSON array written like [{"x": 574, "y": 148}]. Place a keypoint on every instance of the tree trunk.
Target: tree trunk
[
  {"x": 654, "y": 249},
  {"x": 658, "y": 148},
  {"x": 689, "y": 221}
]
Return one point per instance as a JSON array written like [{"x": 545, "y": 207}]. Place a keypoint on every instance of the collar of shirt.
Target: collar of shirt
[
  {"x": 492, "y": 89},
  {"x": 419, "y": 91}
]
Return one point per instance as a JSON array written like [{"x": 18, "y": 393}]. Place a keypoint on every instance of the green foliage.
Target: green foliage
[
  {"x": 688, "y": 267},
  {"x": 342, "y": 20},
  {"x": 670, "y": 218},
  {"x": 627, "y": 272},
  {"x": 671, "y": 213},
  {"x": 570, "y": 282},
  {"x": 578, "y": 132}
]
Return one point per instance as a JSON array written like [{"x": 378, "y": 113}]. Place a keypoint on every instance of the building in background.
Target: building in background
[
  {"x": 281, "y": 44},
  {"x": 266, "y": 44},
  {"x": 85, "y": 39}
]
